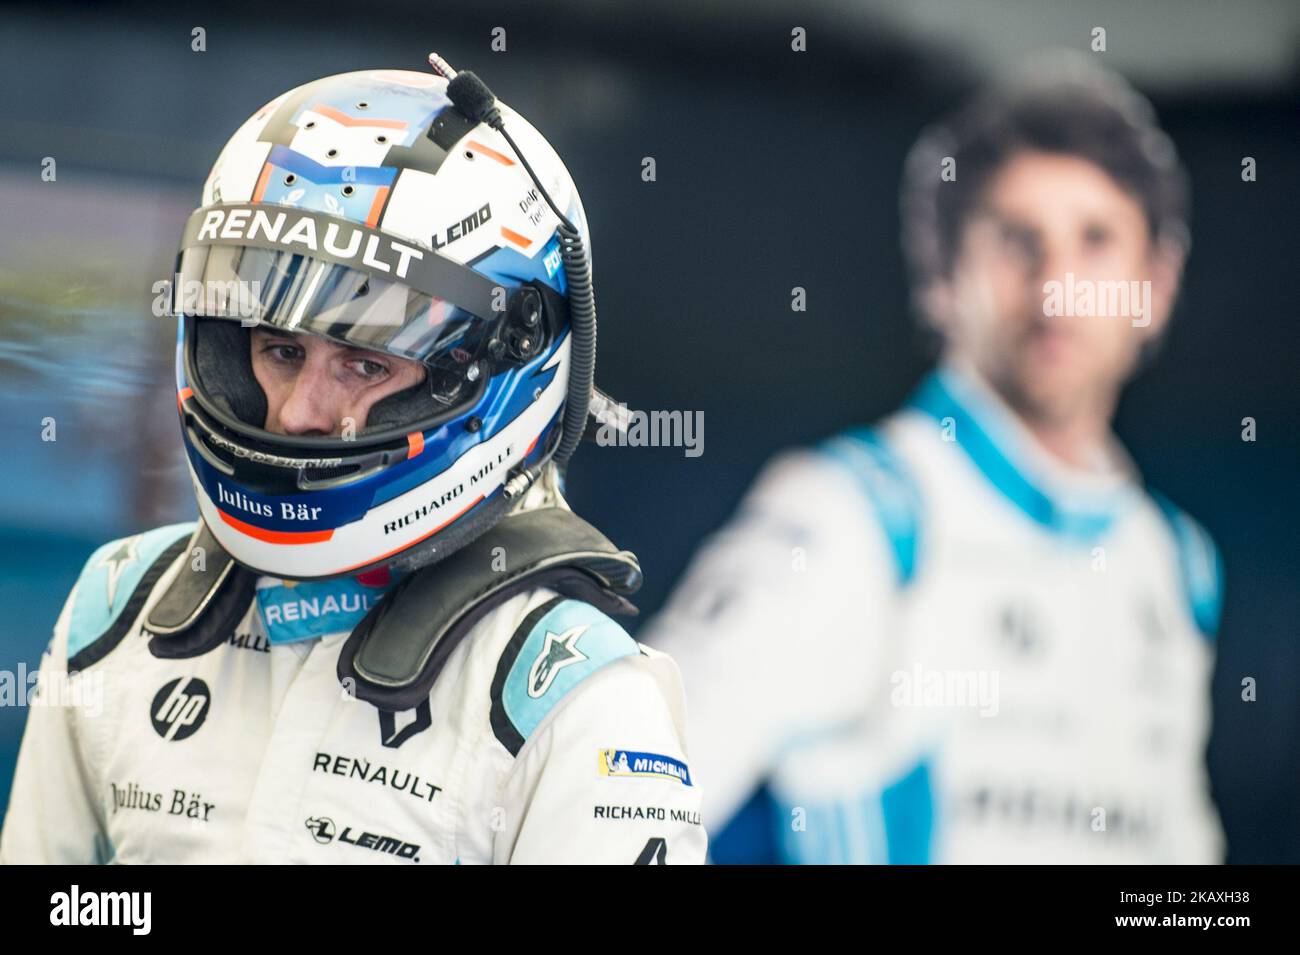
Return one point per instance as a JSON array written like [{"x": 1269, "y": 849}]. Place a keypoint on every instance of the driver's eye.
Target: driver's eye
[
  {"x": 1021, "y": 244},
  {"x": 1096, "y": 235},
  {"x": 280, "y": 351},
  {"x": 1016, "y": 237}
]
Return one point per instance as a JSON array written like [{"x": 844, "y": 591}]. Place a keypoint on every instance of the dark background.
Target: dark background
[{"x": 775, "y": 169}]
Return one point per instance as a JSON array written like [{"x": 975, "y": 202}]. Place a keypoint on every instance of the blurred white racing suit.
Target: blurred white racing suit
[
  {"x": 549, "y": 736},
  {"x": 929, "y": 642}
]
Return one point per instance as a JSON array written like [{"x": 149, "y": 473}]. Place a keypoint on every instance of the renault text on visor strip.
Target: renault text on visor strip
[{"x": 332, "y": 239}]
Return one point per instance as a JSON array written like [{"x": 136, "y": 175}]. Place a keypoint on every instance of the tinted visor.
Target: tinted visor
[{"x": 296, "y": 292}]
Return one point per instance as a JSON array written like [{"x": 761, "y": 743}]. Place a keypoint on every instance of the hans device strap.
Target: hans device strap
[
  {"x": 202, "y": 603},
  {"x": 397, "y": 651}
]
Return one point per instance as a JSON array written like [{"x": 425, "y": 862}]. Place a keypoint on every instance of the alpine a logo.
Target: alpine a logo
[
  {"x": 180, "y": 708},
  {"x": 324, "y": 831},
  {"x": 392, "y": 737}
]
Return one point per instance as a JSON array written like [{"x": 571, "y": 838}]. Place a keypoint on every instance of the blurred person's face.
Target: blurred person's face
[
  {"x": 313, "y": 385},
  {"x": 1041, "y": 216}
]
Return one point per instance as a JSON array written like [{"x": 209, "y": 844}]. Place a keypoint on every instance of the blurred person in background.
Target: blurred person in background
[
  {"x": 969, "y": 633},
  {"x": 386, "y": 638}
]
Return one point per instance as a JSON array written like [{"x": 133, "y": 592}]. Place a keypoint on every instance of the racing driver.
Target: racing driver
[
  {"x": 387, "y": 638},
  {"x": 970, "y": 633}
]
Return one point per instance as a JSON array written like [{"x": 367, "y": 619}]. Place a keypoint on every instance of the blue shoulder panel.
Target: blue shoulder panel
[
  {"x": 557, "y": 646},
  {"x": 109, "y": 579},
  {"x": 988, "y": 446},
  {"x": 888, "y": 486},
  {"x": 1198, "y": 564}
]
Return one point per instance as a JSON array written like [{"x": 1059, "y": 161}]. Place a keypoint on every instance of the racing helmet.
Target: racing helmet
[{"x": 381, "y": 210}]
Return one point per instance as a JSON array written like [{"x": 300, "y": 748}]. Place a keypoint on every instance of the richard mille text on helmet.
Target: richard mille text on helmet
[{"x": 387, "y": 638}]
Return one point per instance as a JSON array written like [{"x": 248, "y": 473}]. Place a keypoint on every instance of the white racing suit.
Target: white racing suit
[
  {"x": 549, "y": 736},
  {"x": 927, "y": 641}
]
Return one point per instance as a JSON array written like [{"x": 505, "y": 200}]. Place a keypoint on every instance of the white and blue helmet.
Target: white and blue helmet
[{"x": 368, "y": 209}]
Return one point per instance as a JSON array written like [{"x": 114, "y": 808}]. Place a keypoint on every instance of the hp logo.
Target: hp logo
[{"x": 180, "y": 708}]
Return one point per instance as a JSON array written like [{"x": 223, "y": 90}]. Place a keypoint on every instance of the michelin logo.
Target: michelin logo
[{"x": 622, "y": 762}]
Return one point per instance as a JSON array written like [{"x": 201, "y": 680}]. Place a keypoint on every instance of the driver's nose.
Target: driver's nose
[{"x": 314, "y": 406}]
